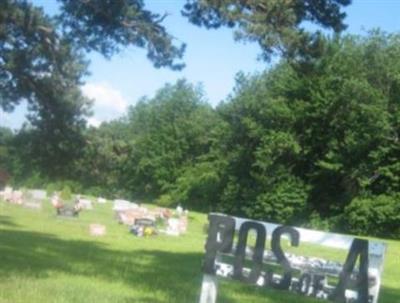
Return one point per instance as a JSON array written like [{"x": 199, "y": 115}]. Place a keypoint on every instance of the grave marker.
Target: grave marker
[{"x": 38, "y": 194}]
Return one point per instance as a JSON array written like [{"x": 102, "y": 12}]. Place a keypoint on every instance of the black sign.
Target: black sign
[{"x": 310, "y": 279}]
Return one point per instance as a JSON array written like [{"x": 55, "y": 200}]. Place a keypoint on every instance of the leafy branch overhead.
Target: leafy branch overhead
[
  {"x": 35, "y": 47},
  {"x": 276, "y": 25},
  {"x": 108, "y": 26},
  {"x": 42, "y": 57},
  {"x": 42, "y": 60}
]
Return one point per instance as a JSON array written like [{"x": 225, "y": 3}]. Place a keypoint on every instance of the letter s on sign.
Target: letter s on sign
[{"x": 284, "y": 283}]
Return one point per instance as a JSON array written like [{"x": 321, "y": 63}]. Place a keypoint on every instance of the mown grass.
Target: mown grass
[{"x": 44, "y": 258}]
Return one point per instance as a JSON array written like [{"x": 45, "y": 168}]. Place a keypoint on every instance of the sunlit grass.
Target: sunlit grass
[{"x": 44, "y": 258}]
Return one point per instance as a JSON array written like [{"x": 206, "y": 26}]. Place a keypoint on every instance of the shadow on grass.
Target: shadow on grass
[
  {"x": 176, "y": 275},
  {"x": 35, "y": 254},
  {"x": 7, "y": 221},
  {"x": 389, "y": 295}
]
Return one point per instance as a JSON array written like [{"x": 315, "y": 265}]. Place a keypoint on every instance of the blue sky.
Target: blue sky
[{"x": 212, "y": 58}]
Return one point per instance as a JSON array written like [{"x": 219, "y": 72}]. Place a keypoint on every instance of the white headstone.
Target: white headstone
[
  {"x": 7, "y": 194},
  {"x": 120, "y": 205},
  {"x": 17, "y": 197},
  {"x": 38, "y": 194},
  {"x": 173, "y": 227},
  {"x": 97, "y": 229},
  {"x": 101, "y": 200},
  {"x": 85, "y": 204},
  {"x": 179, "y": 210}
]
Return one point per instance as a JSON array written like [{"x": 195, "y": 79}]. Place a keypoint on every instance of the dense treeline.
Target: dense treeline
[{"x": 312, "y": 141}]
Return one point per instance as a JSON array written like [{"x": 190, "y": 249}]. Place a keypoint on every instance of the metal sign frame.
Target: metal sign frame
[{"x": 220, "y": 243}]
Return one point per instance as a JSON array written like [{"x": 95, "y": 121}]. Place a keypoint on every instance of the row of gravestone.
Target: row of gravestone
[
  {"x": 132, "y": 214},
  {"x": 126, "y": 212},
  {"x": 33, "y": 198},
  {"x": 27, "y": 198}
]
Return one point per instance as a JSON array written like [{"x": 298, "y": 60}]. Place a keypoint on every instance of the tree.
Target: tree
[
  {"x": 6, "y": 136},
  {"x": 42, "y": 62},
  {"x": 276, "y": 25},
  {"x": 261, "y": 150},
  {"x": 39, "y": 53},
  {"x": 317, "y": 137},
  {"x": 107, "y": 26},
  {"x": 35, "y": 47},
  {"x": 104, "y": 158},
  {"x": 170, "y": 131}
]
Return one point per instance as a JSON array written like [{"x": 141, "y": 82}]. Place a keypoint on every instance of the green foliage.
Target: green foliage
[
  {"x": 104, "y": 158},
  {"x": 51, "y": 188},
  {"x": 197, "y": 186},
  {"x": 274, "y": 24},
  {"x": 310, "y": 135},
  {"x": 42, "y": 62},
  {"x": 169, "y": 133},
  {"x": 42, "y": 59},
  {"x": 313, "y": 141},
  {"x": 96, "y": 191},
  {"x": 34, "y": 181},
  {"x": 66, "y": 193},
  {"x": 44, "y": 70},
  {"x": 376, "y": 215},
  {"x": 316, "y": 222},
  {"x": 166, "y": 201},
  {"x": 6, "y": 136},
  {"x": 281, "y": 202},
  {"x": 109, "y": 26},
  {"x": 66, "y": 186}
]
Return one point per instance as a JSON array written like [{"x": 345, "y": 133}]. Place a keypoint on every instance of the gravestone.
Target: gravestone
[
  {"x": 84, "y": 203},
  {"x": 143, "y": 227},
  {"x": 121, "y": 205},
  {"x": 68, "y": 211},
  {"x": 37, "y": 194},
  {"x": 96, "y": 229},
  {"x": 101, "y": 200},
  {"x": 6, "y": 194}
]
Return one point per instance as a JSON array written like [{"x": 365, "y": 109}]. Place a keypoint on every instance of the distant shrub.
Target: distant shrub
[
  {"x": 284, "y": 202},
  {"x": 165, "y": 201},
  {"x": 374, "y": 216},
  {"x": 51, "y": 188},
  {"x": 95, "y": 191},
  {"x": 57, "y": 186},
  {"x": 75, "y": 186},
  {"x": 66, "y": 193},
  {"x": 34, "y": 181},
  {"x": 316, "y": 222}
]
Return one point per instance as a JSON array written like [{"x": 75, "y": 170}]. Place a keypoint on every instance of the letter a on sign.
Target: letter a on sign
[
  {"x": 357, "y": 279},
  {"x": 358, "y": 248}
]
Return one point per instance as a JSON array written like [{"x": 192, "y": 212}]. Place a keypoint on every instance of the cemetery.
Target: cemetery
[
  {"x": 97, "y": 246},
  {"x": 199, "y": 151}
]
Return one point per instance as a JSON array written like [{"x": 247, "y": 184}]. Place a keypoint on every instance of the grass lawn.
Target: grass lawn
[{"x": 48, "y": 259}]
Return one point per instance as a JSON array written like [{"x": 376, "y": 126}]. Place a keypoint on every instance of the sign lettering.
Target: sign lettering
[{"x": 308, "y": 276}]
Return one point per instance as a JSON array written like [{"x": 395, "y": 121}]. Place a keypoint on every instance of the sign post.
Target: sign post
[{"x": 358, "y": 276}]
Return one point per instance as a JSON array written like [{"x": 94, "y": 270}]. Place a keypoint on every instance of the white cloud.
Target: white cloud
[
  {"x": 108, "y": 102},
  {"x": 92, "y": 121}
]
